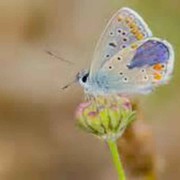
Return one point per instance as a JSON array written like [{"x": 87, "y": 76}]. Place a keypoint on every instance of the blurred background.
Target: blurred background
[{"x": 38, "y": 136}]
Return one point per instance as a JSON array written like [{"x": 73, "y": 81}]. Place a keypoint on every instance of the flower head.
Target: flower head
[{"x": 106, "y": 117}]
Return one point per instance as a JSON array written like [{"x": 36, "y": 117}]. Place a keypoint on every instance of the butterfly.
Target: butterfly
[{"x": 128, "y": 59}]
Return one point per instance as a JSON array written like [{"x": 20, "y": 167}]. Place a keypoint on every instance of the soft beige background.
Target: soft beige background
[{"x": 38, "y": 137}]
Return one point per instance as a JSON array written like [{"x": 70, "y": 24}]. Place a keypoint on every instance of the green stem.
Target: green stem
[{"x": 116, "y": 159}]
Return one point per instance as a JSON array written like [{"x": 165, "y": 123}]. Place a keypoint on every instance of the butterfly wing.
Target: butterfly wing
[
  {"x": 138, "y": 68},
  {"x": 125, "y": 28}
]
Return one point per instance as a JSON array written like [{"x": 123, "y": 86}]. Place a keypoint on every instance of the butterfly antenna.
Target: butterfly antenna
[
  {"x": 58, "y": 57},
  {"x": 68, "y": 85}
]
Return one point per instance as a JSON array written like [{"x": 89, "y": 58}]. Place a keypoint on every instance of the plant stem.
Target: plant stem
[{"x": 116, "y": 159}]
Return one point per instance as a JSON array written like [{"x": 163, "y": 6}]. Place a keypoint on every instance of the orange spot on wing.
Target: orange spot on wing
[
  {"x": 120, "y": 18},
  {"x": 128, "y": 20},
  {"x": 157, "y": 76},
  {"x": 158, "y": 67},
  {"x": 133, "y": 26},
  {"x": 139, "y": 36},
  {"x": 134, "y": 46},
  {"x": 134, "y": 31}
]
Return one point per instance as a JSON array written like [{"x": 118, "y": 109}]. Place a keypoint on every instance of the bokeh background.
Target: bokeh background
[{"x": 38, "y": 136}]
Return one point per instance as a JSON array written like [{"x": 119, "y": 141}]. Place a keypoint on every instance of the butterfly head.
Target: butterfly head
[{"x": 82, "y": 77}]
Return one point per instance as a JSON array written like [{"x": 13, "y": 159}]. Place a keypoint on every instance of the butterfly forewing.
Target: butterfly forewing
[{"x": 125, "y": 28}]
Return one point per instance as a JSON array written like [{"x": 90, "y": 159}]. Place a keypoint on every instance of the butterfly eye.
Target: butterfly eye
[
  {"x": 110, "y": 67},
  {"x": 84, "y": 78},
  {"x": 107, "y": 55}
]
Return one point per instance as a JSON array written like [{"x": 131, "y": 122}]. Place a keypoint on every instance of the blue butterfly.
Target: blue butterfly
[{"x": 127, "y": 58}]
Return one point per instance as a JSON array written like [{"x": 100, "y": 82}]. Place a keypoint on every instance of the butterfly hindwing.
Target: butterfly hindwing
[
  {"x": 138, "y": 68},
  {"x": 125, "y": 28},
  {"x": 149, "y": 53}
]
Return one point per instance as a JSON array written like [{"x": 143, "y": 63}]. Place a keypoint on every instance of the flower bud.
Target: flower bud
[{"x": 106, "y": 117}]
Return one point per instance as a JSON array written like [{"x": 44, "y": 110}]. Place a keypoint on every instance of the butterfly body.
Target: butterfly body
[{"x": 127, "y": 59}]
